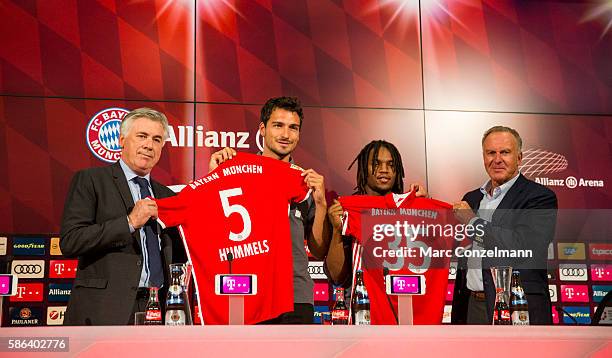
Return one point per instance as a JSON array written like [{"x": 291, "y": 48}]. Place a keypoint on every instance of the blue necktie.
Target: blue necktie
[{"x": 156, "y": 278}]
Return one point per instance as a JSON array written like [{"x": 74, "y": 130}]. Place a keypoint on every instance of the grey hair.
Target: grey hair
[
  {"x": 144, "y": 112},
  {"x": 503, "y": 129}
]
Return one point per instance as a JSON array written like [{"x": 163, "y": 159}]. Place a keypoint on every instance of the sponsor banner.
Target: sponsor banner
[
  {"x": 601, "y": 272},
  {"x": 63, "y": 268},
  {"x": 574, "y": 293},
  {"x": 571, "y": 251},
  {"x": 25, "y": 316},
  {"x": 573, "y": 272},
  {"x": 59, "y": 292},
  {"x": 55, "y": 315},
  {"x": 28, "y": 268},
  {"x": 449, "y": 292},
  {"x": 321, "y": 291},
  {"x": 6, "y": 285},
  {"x": 315, "y": 269},
  {"x": 599, "y": 292},
  {"x": 317, "y": 313},
  {"x": 555, "y": 316},
  {"x": 3, "y": 244},
  {"x": 28, "y": 292},
  {"x": 601, "y": 252},
  {"x": 29, "y": 246},
  {"x": 452, "y": 271},
  {"x": 552, "y": 290},
  {"x": 54, "y": 247},
  {"x": 606, "y": 316},
  {"x": 580, "y": 314},
  {"x": 446, "y": 316}
]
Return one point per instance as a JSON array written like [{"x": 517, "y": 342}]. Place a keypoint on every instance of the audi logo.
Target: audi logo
[
  {"x": 573, "y": 272},
  {"x": 25, "y": 269},
  {"x": 315, "y": 270}
]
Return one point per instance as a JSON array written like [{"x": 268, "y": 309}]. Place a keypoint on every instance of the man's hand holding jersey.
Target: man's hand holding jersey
[
  {"x": 219, "y": 157},
  {"x": 143, "y": 210}
]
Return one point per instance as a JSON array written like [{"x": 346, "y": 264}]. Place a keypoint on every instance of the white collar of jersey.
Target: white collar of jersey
[{"x": 399, "y": 198}]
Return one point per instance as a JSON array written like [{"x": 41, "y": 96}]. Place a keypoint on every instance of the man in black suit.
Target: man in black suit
[
  {"x": 109, "y": 225},
  {"x": 514, "y": 213}
]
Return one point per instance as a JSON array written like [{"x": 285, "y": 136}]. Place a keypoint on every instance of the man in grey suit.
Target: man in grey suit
[{"x": 109, "y": 225}]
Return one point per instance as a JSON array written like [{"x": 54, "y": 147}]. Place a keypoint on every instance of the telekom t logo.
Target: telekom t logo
[
  {"x": 569, "y": 292},
  {"x": 599, "y": 272},
  {"x": 231, "y": 283},
  {"x": 20, "y": 291},
  {"x": 59, "y": 269},
  {"x": 401, "y": 284}
]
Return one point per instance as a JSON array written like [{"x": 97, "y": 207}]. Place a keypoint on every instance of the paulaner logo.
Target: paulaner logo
[{"x": 103, "y": 133}]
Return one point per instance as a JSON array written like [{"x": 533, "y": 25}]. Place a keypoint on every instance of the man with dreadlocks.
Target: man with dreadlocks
[
  {"x": 380, "y": 177},
  {"x": 374, "y": 177}
]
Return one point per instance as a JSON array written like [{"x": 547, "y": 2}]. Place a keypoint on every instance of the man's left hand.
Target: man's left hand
[{"x": 316, "y": 182}]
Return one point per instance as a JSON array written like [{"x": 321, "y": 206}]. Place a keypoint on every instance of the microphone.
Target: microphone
[
  {"x": 230, "y": 258},
  {"x": 561, "y": 311}
]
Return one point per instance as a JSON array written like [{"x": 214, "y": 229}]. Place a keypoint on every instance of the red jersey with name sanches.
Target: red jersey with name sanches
[
  {"x": 428, "y": 308},
  {"x": 240, "y": 208}
]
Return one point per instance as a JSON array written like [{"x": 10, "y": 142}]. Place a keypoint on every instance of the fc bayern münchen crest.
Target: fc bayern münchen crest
[{"x": 103, "y": 133}]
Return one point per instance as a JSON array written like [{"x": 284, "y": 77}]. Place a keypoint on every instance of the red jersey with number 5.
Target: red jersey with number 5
[
  {"x": 240, "y": 208},
  {"x": 371, "y": 255}
]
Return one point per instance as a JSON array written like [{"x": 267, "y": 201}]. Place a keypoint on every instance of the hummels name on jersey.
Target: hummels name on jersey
[{"x": 245, "y": 250}]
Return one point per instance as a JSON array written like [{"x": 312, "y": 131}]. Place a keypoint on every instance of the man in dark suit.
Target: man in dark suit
[
  {"x": 109, "y": 225},
  {"x": 513, "y": 213}
]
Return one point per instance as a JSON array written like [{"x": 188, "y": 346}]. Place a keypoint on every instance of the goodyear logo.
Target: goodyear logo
[
  {"x": 580, "y": 314},
  {"x": 28, "y": 246}
]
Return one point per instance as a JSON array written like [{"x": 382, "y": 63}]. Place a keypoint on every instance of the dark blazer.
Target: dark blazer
[
  {"x": 533, "y": 228},
  {"x": 95, "y": 229}
]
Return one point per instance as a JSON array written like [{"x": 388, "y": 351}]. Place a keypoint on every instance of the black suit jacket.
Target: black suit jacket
[
  {"x": 95, "y": 229},
  {"x": 524, "y": 219}
]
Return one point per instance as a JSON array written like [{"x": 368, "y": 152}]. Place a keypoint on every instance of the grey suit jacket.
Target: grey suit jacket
[{"x": 95, "y": 229}]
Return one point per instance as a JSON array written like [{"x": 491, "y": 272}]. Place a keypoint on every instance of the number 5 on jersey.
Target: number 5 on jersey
[{"x": 229, "y": 209}]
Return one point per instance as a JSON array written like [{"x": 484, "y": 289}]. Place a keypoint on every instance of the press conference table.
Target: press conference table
[{"x": 324, "y": 341}]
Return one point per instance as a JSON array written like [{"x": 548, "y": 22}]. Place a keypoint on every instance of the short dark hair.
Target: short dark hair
[
  {"x": 291, "y": 104},
  {"x": 362, "y": 166},
  {"x": 504, "y": 129}
]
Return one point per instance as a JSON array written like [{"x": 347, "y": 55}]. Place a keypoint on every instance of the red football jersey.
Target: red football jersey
[
  {"x": 428, "y": 308},
  {"x": 241, "y": 207}
]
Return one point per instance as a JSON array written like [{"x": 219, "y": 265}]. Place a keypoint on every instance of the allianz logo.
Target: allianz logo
[
  {"x": 188, "y": 136},
  {"x": 59, "y": 292}
]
